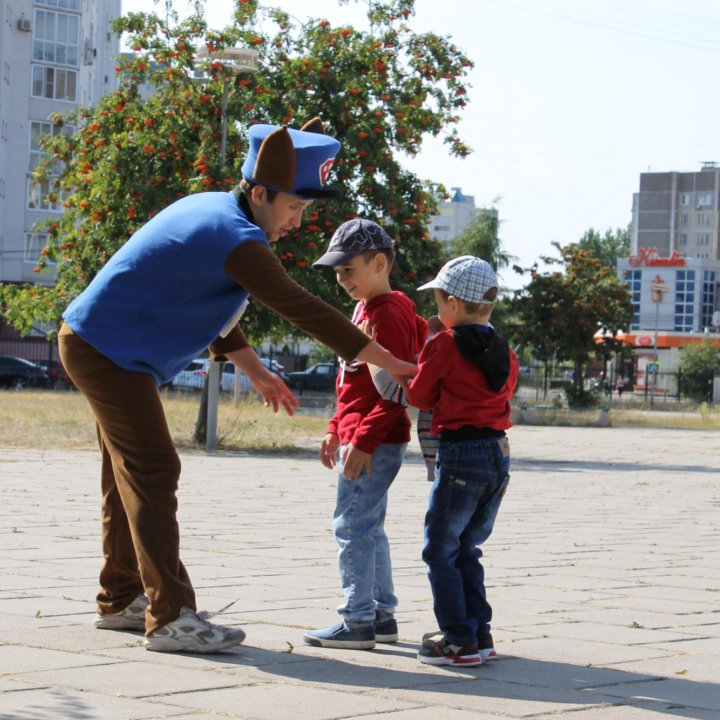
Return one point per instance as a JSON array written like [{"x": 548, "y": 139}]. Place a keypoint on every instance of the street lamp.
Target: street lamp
[
  {"x": 236, "y": 60},
  {"x": 658, "y": 288}
]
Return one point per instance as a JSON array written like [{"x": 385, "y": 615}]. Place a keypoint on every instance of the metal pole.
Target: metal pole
[
  {"x": 213, "y": 396},
  {"x": 213, "y": 374},
  {"x": 223, "y": 117},
  {"x": 655, "y": 354}
]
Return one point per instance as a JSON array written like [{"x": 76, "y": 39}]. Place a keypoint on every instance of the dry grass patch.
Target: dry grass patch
[{"x": 46, "y": 420}]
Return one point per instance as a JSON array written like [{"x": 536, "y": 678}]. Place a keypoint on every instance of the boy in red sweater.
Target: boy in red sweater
[
  {"x": 467, "y": 375},
  {"x": 367, "y": 436}
]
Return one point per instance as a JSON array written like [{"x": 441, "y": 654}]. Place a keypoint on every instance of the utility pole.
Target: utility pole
[{"x": 236, "y": 61}]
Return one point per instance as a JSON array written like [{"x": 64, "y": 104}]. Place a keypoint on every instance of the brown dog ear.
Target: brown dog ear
[
  {"x": 314, "y": 126},
  {"x": 276, "y": 163}
]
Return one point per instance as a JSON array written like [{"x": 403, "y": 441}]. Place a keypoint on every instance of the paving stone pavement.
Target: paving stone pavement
[{"x": 603, "y": 572}]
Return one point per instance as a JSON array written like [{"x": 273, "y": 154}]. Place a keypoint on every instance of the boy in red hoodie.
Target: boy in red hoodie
[
  {"x": 367, "y": 436},
  {"x": 467, "y": 375}
]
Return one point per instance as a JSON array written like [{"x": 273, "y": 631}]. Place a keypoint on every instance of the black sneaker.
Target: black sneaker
[
  {"x": 342, "y": 636},
  {"x": 386, "y": 631},
  {"x": 445, "y": 653}
]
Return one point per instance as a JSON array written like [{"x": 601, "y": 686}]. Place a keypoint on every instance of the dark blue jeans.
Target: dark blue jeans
[{"x": 471, "y": 477}]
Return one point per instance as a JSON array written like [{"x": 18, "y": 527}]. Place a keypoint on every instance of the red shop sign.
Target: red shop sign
[{"x": 649, "y": 257}]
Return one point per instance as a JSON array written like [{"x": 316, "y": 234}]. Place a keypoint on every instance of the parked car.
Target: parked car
[
  {"x": 192, "y": 377},
  {"x": 227, "y": 381},
  {"x": 57, "y": 376},
  {"x": 317, "y": 377},
  {"x": 19, "y": 373},
  {"x": 275, "y": 367}
]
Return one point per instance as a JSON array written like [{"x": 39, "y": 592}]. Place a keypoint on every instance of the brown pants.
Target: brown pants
[{"x": 140, "y": 472}]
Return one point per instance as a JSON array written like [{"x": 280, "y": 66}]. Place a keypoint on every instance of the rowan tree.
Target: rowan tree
[{"x": 381, "y": 91}]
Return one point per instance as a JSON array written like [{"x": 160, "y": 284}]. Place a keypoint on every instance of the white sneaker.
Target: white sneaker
[
  {"x": 191, "y": 632},
  {"x": 130, "y": 618}
]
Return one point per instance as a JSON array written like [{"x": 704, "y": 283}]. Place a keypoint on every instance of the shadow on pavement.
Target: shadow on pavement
[{"x": 509, "y": 678}]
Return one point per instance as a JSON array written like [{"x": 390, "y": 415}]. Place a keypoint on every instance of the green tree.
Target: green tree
[
  {"x": 608, "y": 247},
  {"x": 699, "y": 363},
  {"x": 560, "y": 312},
  {"x": 380, "y": 92},
  {"x": 481, "y": 238}
]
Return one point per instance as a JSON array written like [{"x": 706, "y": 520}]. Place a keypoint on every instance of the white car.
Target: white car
[{"x": 193, "y": 377}]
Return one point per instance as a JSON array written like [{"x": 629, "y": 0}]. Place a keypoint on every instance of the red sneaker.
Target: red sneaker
[{"x": 445, "y": 653}]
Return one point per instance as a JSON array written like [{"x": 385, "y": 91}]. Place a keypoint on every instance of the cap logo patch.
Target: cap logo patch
[{"x": 325, "y": 169}]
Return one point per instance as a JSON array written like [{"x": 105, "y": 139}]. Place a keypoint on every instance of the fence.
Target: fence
[{"x": 667, "y": 387}]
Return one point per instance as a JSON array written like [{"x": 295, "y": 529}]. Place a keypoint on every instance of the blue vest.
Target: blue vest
[{"x": 164, "y": 296}]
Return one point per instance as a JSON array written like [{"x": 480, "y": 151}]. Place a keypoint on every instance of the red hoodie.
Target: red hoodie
[{"x": 362, "y": 417}]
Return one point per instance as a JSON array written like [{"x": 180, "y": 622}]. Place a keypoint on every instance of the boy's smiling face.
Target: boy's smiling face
[{"x": 363, "y": 279}]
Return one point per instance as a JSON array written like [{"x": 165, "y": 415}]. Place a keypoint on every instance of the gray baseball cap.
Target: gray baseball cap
[
  {"x": 466, "y": 277},
  {"x": 352, "y": 238}
]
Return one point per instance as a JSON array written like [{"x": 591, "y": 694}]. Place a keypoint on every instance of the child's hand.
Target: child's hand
[
  {"x": 355, "y": 462},
  {"x": 328, "y": 450}
]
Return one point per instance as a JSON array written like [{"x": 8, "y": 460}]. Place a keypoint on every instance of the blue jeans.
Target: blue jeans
[
  {"x": 471, "y": 477},
  {"x": 363, "y": 548}
]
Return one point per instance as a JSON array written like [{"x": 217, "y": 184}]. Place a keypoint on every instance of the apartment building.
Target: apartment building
[
  {"x": 55, "y": 55},
  {"x": 453, "y": 217},
  {"x": 678, "y": 212}
]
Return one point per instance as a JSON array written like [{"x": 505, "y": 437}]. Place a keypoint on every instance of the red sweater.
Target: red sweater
[
  {"x": 362, "y": 417},
  {"x": 457, "y": 391}
]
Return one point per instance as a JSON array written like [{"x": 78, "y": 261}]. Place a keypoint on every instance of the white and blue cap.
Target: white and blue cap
[
  {"x": 297, "y": 162},
  {"x": 352, "y": 238},
  {"x": 467, "y": 278}
]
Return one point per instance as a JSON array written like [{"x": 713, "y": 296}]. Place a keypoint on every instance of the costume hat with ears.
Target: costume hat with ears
[{"x": 296, "y": 162}]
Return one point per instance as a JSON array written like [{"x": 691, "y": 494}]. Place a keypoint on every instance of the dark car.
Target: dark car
[
  {"x": 17, "y": 372},
  {"x": 57, "y": 376},
  {"x": 276, "y": 367},
  {"x": 318, "y": 377}
]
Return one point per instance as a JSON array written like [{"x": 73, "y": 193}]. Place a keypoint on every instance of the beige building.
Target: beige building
[
  {"x": 678, "y": 212},
  {"x": 454, "y": 216},
  {"x": 55, "y": 55}
]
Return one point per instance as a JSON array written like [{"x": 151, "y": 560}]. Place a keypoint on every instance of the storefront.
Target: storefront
[{"x": 676, "y": 302}]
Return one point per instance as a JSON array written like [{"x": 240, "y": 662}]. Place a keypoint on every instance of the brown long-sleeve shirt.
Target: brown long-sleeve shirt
[{"x": 255, "y": 267}]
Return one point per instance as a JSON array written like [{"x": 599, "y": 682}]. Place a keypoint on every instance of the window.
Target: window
[
  {"x": 633, "y": 278},
  {"x": 684, "y": 300},
  {"x": 38, "y": 192},
  {"x": 683, "y": 239},
  {"x": 34, "y": 243},
  {"x": 684, "y": 199},
  {"x": 64, "y": 4},
  {"x": 54, "y": 83},
  {"x": 704, "y": 200},
  {"x": 703, "y": 239},
  {"x": 701, "y": 219},
  {"x": 684, "y": 219},
  {"x": 55, "y": 38}
]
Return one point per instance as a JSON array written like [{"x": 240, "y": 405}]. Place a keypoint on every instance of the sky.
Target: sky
[{"x": 570, "y": 101}]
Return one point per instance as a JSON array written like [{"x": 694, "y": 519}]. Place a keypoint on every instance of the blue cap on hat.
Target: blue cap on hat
[
  {"x": 352, "y": 238},
  {"x": 297, "y": 162}
]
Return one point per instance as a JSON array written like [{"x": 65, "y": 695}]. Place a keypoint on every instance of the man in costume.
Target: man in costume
[{"x": 177, "y": 287}]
